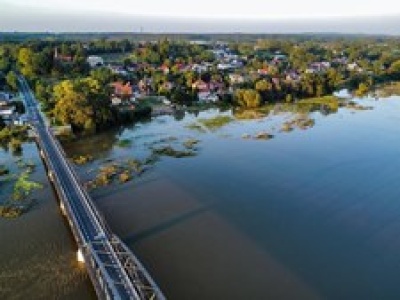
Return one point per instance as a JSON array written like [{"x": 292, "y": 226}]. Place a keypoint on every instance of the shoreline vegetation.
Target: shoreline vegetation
[
  {"x": 132, "y": 78},
  {"x": 20, "y": 201},
  {"x": 12, "y": 137},
  {"x": 123, "y": 171}
]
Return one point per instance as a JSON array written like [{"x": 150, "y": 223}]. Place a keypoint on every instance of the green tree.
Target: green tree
[
  {"x": 12, "y": 81},
  {"x": 363, "y": 89},
  {"x": 102, "y": 75},
  {"x": 83, "y": 103},
  {"x": 248, "y": 98},
  {"x": 25, "y": 62}
]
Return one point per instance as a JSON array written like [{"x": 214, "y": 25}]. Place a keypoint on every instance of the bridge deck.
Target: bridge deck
[{"x": 115, "y": 272}]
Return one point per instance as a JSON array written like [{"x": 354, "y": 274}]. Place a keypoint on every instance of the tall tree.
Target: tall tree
[
  {"x": 12, "y": 81},
  {"x": 25, "y": 61}
]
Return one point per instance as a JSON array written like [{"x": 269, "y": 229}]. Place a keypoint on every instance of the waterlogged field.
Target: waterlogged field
[{"x": 287, "y": 202}]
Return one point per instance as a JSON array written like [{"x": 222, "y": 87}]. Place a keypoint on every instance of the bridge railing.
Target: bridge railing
[{"x": 89, "y": 201}]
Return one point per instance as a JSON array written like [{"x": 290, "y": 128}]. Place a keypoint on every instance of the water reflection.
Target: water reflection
[{"x": 310, "y": 214}]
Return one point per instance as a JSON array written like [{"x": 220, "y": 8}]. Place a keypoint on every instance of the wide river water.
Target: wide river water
[{"x": 309, "y": 214}]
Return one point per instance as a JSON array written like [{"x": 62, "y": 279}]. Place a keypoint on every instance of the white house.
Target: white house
[
  {"x": 223, "y": 67},
  {"x": 236, "y": 78},
  {"x": 207, "y": 97},
  {"x": 354, "y": 67},
  {"x": 7, "y": 111},
  {"x": 95, "y": 61}
]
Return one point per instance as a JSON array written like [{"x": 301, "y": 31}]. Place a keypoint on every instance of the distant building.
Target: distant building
[
  {"x": 118, "y": 69},
  {"x": 7, "y": 111},
  {"x": 207, "y": 97},
  {"x": 6, "y": 108},
  {"x": 60, "y": 57},
  {"x": 122, "y": 93},
  {"x": 236, "y": 78},
  {"x": 95, "y": 61},
  {"x": 201, "y": 86}
]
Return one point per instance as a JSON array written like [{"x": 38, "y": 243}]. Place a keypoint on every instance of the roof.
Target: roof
[{"x": 122, "y": 89}]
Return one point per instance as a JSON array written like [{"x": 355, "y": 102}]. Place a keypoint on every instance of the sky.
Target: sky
[{"x": 350, "y": 16}]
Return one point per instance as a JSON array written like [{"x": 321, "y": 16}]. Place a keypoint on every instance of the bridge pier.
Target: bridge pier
[
  {"x": 79, "y": 256},
  {"x": 51, "y": 175},
  {"x": 62, "y": 207}
]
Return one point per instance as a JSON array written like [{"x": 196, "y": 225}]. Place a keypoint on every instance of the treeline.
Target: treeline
[{"x": 71, "y": 93}]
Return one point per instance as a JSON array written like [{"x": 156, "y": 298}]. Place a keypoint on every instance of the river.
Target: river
[
  {"x": 38, "y": 253},
  {"x": 308, "y": 214}
]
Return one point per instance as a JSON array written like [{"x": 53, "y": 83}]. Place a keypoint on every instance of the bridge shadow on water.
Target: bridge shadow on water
[{"x": 166, "y": 225}]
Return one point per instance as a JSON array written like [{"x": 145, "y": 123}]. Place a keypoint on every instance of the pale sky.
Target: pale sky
[
  {"x": 201, "y": 16},
  {"x": 225, "y": 8}
]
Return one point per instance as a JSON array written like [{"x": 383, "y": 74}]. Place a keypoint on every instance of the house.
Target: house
[
  {"x": 318, "y": 67},
  {"x": 292, "y": 76},
  {"x": 225, "y": 66},
  {"x": 181, "y": 67},
  {"x": 7, "y": 111},
  {"x": 115, "y": 101},
  {"x": 201, "y": 86},
  {"x": 216, "y": 86},
  {"x": 122, "y": 90},
  {"x": 280, "y": 57},
  {"x": 95, "y": 61},
  {"x": 236, "y": 78},
  {"x": 165, "y": 69},
  {"x": 199, "y": 68},
  {"x": 145, "y": 85},
  {"x": 118, "y": 69},
  {"x": 60, "y": 57},
  {"x": 167, "y": 85},
  {"x": 207, "y": 97},
  {"x": 276, "y": 81},
  {"x": 264, "y": 71},
  {"x": 218, "y": 53},
  {"x": 340, "y": 60},
  {"x": 354, "y": 67}
]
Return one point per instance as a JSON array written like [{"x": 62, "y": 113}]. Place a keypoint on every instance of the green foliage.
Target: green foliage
[
  {"x": 83, "y": 103},
  {"x": 10, "y": 211},
  {"x": 102, "y": 75},
  {"x": 12, "y": 82},
  {"x": 23, "y": 186},
  {"x": 82, "y": 159},
  {"x": 15, "y": 145},
  {"x": 13, "y": 136},
  {"x": 248, "y": 98},
  {"x": 363, "y": 89},
  {"x": 395, "y": 67},
  {"x": 311, "y": 104},
  {"x": 25, "y": 61},
  {"x": 169, "y": 151},
  {"x": 216, "y": 122}
]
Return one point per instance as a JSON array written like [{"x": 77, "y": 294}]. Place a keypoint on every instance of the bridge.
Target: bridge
[{"x": 114, "y": 270}]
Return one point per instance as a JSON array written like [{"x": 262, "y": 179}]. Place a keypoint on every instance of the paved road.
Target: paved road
[{"x": 93, "y": 234}]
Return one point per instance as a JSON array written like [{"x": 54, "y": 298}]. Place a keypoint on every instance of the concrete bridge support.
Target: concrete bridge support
[{"x": 79, "y": 256}]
